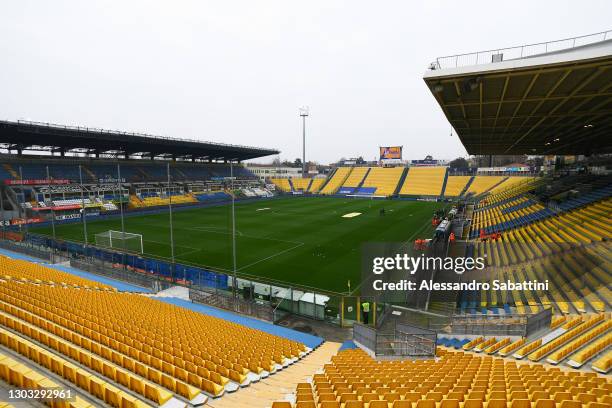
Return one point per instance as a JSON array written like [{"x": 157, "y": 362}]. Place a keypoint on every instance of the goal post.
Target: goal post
[{"x": 120, "y": 240}]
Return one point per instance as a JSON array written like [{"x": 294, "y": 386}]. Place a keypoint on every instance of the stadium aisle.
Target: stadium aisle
[
  {"x": 307, "y": 339},
  {"x": 276, "y": 387},
  {"x": 121, "y": 286}
]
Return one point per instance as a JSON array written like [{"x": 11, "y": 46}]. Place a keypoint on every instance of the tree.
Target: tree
[
  {"x": 459, "y": 164},
  {"x": 297, "y": 162}
]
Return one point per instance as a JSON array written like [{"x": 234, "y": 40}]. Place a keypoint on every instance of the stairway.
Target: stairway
[
  {"x": 492, "y": 187},
  {"x": 329, "y": 177},
  {"x": 444, "y": 183},
  {"x": 467, "y": 186},
  {"x": 343, "y": 180},
  {"x": 365, "y": 176},
  {"x": 401, "y": 182},
  {"x": 278, "y": 386},
  {"x": 309, "y": 185}
]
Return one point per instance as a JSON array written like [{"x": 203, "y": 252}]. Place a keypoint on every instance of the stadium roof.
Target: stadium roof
[
  {"x": 38, "y": 136},
  {"x": 547, "y": 98}
]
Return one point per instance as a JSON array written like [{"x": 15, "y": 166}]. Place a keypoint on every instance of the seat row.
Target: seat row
[
  {"x": 424, "y": 181},
  {"x": 17, "y": 269},
  {"x": 200, "y": 350},
  {"x": 336, "y": 180},
  {"x": 577, "y": 277},
  {"x": 453, "y": 380},
  {"x": 24, "y": 377},
  {"x": 111, "y": 369},
  {"x": 384, "y": 179}
]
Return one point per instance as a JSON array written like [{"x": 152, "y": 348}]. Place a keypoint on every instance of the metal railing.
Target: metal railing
[
  {"x": 501, "y": 325},
  {"x": 517, "y": 52},
  {"x": 269, "y": 299},
  {"x": 404, "y": 341},
  {"x": 226, "y": 301},
  {"x": 26, "y": 250}
]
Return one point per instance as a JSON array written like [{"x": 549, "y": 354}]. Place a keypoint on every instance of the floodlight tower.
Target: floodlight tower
[{"x": 304, "y": 115}]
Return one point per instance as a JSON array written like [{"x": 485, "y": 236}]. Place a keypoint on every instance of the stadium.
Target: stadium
[{"x": 148, "y": 271}]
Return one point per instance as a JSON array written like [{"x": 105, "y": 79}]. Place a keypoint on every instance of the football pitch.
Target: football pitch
[{"x": 305, "y": 241}]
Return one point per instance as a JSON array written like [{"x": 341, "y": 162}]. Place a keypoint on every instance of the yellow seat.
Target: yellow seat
[
  {"x": 426, "y": 403},
  {"x": 112, "y": 395},
  {"x": 496, "y": 403},
  {"x": 520, "y": 403},
  {"x": 472, "y": 403}
]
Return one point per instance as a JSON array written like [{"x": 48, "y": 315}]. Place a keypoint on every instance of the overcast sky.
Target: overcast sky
[{"x": 237, "y": 71}]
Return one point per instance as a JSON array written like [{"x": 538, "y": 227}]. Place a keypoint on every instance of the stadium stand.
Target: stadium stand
[
  {"x": 456, "y": 379},
  {"x": 424, "y": 181},
  {"x": 282, "y": 184},
  {"x": 336, "y": 180},
  {"x": 154, "y": 201},
  {"x": 604, "y": 363},
  {"x": 126, "y": 348},
  {"x": 504, "y": 195},
  {"x": 505, "y": 213},
  {"x": 583, "y": 224},
  {"x": 577, "y": 277},
  {"x": 23, "y": 271},
  {"x": 25, "y": 377},
  {"x": 316, "y": 185},
  {"x": 209, "y": 197},
  {"x": 384, "y": 180},
  {"x": 300, "y": 184},
  {"x": 510, "y": 183},
  {"x": 354, "y": 179},
  {"x": 482, "y": 184},
  {"x": 131, "y": 171},
  {"x": 455, "y": 185},
  {"x": 573, "y": 343}
]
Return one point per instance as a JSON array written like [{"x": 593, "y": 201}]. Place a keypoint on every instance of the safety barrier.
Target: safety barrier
[
  {"x": 404, "y": 341},
  {"x": 502, "y": 325}
]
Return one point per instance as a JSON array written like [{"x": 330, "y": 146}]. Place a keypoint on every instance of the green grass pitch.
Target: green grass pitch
[{"x": 298, "y": 240}]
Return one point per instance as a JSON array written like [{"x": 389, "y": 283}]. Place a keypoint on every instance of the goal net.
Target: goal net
[{"x": 120, "y": 240}]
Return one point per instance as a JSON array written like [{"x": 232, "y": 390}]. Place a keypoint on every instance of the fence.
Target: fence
[
  {"x": 404, "y": 341},
  {"x": 262, "y": 311},
  {"x": 502, "y": 325},
  {"x": 264, "y": 299},
  {"x": 518, "y": 52},
  {"x": 106, "y": 269},
  {"x": 26, "y": 250}
]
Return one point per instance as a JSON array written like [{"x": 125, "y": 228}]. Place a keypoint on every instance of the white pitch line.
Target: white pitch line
[
  {"x": 271, "y": 256},
  {"x": 188, "y": 252},
  {"x": 167, "y": 243},
  {"x": 243, "y": 235},
  {"x": 213, "y": 230}
]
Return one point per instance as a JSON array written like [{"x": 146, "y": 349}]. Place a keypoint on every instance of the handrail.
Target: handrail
[{"x": 526, "y": 51}]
